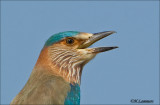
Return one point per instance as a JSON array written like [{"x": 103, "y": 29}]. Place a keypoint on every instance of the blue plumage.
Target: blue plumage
[
  {"x": 73, "y": 97},
  {"x": 57, "y": 37},
  {"x": 55, "y": 79}
]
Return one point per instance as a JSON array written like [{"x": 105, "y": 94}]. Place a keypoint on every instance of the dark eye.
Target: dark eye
[{"x": 69, "y": 41}]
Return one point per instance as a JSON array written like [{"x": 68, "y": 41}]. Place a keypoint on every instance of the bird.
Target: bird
[{"x": 56, "y": 76}]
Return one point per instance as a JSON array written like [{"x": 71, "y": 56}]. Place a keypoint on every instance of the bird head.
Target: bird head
[{"x": 66, "y": 53}]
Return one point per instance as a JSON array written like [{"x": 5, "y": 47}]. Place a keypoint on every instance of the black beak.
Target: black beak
[{"x": 95, "y": 37}]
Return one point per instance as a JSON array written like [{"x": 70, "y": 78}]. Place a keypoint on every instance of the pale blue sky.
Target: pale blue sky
[{"x": 113, "y": 77}]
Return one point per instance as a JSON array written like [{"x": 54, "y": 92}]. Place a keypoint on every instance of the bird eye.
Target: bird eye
[{"x": 69, "y": 41}]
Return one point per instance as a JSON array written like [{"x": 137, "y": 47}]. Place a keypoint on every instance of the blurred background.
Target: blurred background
[{"x": 113, "y": 77}]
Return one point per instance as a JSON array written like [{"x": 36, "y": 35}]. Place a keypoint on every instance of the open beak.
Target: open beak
[{"x": 94, "y": 38}]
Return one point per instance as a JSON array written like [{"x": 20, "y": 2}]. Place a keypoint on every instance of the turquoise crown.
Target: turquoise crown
[{"x": 59, "y": 36}]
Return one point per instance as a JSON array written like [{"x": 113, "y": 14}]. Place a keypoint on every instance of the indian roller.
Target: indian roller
[{"x": 56, "y": 76}]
